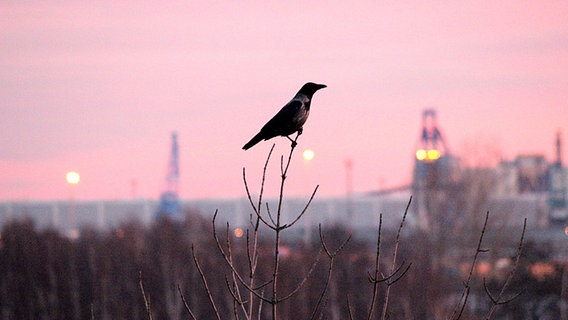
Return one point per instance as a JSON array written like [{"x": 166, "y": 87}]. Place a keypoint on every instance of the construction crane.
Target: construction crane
[{"x": 170, "y": 206}]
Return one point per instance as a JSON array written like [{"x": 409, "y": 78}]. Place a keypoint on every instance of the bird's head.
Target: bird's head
[{"x": 310, "y": 88}]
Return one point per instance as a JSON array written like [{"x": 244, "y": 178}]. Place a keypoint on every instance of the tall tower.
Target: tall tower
[
  {"x": 557, "y": 187},
  {"x": 435, "y": 174},
  {"x": 169, "y": 200}
]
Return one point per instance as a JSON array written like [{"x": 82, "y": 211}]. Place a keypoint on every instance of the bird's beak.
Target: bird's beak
[{"x": 321, "y": 86}]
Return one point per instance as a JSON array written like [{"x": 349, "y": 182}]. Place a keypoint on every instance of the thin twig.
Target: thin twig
[
  {"x": 261, "y": 184},
  {"x": 231, "y": 266},
  {"x": 331, "y": 256},
  {"x": 257, "y": 209},
  {"x": 233, "y": 292},
  {"x": 205, "y": 283},
  {"x": 273, "y": 225},
  {"x": 185, "y": 305},
  {"x": 460, "y": 306},
  {"x": 306, "y": 277},
  {"x": 237, "y": 296},
  {"x": 349, "y": 308},
  {"x": 259, "y": 216},
  {"x": 303, "y": 211},
  {"x": 499, "y": 299},
  {"x": 387, "y": 279},
  {"x": 146, "y": 297},
  {"x": 264, "y": 175},
  {"x": 263, "y": 285},
  {"x": 394, "y": 257},
  {"x": 377, "y": 269}
]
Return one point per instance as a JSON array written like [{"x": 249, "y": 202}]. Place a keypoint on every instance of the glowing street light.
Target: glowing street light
[
  {"x": 72, "y": 177},
  {"x": 308, "y": 154}
]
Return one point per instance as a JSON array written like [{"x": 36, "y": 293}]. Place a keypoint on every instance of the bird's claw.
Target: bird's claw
[{"x": 294, "y": 143}]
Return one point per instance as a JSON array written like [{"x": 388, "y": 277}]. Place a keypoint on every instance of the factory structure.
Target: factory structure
[
  {"x": 445, "y": 194},
  {"x": 444, "y": 191},
  {"x": 443, "y": 188}
]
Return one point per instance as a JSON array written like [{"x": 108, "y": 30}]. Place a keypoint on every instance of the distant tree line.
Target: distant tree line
[{"x": 44, "y": 275}]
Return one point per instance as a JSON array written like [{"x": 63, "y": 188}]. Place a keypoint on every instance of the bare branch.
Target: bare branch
[
  {"x": 460, "y": 306},
  {"x": 303, "y": 211},
  {"x": 263, "y": 285},
  {"x": 264, "y": 175},
  {"x": 259, "y": 216},
  {"x": 236, "y": 293},
  {"x": 232, "y": 267},
  {"x": 377, "y": 269},
  {"x": 499, "y": 299},
  {"x": 278, "y": 229},
  {"x": 261, "y": 184},
  {"x": 249, "y": 196},
  {"x": 306, "y": 277},
  {"x": 185, "y": 305},
  {"x": 390, "y": 283},
  {"x": 249, "y": 254},
  {"x": 271, "y": 218},
  {"x": 147, "y": 302},
  {"x": 349, "y": 309},
  {"x": 233, "y": 293},
  {"x": 202, "y": 275},
  {"x": 394, "y": 257},
  {"x": 465, "y": 296},
  {"x": 392, "y": 275},
  {"x": 331, "y": 256},
  {"x": 489, "y": 295},
  {"x": 257, "y": 208}
]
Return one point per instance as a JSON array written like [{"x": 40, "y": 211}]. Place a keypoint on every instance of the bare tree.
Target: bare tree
[{"x": 241, "y": 284}]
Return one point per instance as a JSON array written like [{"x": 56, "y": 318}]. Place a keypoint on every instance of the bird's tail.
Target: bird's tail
[{"x": 256, "y": 139}]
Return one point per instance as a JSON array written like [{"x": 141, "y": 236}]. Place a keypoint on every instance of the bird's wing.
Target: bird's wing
[{"x": 283, "y": 118}]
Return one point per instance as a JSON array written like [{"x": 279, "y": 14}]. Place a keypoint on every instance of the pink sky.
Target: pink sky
[{"x": 98, "y": 88}]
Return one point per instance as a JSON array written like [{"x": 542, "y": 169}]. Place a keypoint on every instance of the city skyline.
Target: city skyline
[{"x": 98, "y": 89}]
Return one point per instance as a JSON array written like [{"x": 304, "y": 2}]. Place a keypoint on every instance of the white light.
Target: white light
[
  {"x": 72, "y": 177},
  {"x": 308, "y": 154}
]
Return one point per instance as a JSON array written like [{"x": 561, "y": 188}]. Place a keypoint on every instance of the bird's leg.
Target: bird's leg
[{"x": 294, "y": 143}]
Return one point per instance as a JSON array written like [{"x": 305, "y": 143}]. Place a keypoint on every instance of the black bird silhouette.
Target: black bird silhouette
[{"x": 290, "y": 118}]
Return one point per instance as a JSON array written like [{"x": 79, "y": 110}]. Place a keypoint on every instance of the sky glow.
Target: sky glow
[{"x": 99, "y": 87}]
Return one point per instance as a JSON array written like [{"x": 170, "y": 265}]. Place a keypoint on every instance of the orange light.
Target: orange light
[{"x": 238, "y": 232}]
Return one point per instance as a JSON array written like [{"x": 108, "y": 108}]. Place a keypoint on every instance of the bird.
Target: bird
[{"x": 290, "y": 118}]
